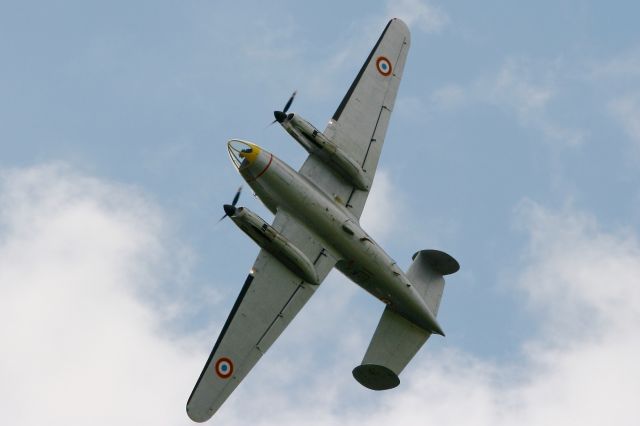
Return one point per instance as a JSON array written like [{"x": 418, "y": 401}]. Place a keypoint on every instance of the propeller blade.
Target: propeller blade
[
  {"x": 289, "y": 102},
  {"x": 282, "y": 115},
  {"x": 237, "y": 196},
  {"x": 230, "y": 209}
]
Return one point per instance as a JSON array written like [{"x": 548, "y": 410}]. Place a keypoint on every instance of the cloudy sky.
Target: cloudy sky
[{"x": 514, "y": 146}]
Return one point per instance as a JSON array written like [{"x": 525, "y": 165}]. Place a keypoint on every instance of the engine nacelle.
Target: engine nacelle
[
  {"x": 275, "y": 243},
  {"x": 315, "y": 142}
]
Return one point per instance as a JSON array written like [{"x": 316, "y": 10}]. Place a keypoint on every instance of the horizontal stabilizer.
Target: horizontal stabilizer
[
  {"x": 426, "y": 272},
  {"x": 394, "y": 343},
  {"x": 440, "y": 261}
]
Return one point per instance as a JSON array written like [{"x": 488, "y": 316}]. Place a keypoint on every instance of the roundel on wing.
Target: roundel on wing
[
  {"x": 224, "y": 368},
  {"x": 384, "y": 66}
]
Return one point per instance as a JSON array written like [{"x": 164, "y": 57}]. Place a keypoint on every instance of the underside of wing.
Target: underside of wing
[
  {"x": 366, "y": 107},
  {"x": 359, "y": 125},
  {"x": 270, "y": 297}
]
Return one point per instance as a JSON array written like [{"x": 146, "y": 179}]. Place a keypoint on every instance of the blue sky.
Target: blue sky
[{"x": 514, "y": 146}]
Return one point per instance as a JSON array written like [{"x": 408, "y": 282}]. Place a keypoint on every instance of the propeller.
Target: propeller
[
  {"x": 282, "y": 115},
  {"x": 230, "y": 209}
]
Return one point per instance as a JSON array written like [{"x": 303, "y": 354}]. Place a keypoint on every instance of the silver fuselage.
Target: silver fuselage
[{"x": 360, "y": 258}]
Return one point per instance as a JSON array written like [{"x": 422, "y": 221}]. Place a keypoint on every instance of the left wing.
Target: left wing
[
  {"x": 359, "y": 125},
  {"x": 270, "y": 297}
]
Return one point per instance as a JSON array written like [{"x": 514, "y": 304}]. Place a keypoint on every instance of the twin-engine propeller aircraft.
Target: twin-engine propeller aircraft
[{"x": 316, "y": 227}]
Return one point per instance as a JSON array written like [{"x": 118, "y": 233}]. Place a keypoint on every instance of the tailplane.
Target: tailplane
[{"x": 396, "y": 339}]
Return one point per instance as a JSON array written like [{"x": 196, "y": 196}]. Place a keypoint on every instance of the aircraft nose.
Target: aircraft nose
[{"x": 242, "y": 153}]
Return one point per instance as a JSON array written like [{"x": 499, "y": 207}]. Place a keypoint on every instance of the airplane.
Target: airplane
[{"x": 316, "y": 228}]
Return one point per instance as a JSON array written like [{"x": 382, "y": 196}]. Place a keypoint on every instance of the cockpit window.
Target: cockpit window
[{"x": 238, "y": 151}]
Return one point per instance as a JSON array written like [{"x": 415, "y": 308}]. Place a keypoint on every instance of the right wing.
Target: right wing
[
  {"x": 360, "y": 123},
  {"x": 270, "y": 297}
]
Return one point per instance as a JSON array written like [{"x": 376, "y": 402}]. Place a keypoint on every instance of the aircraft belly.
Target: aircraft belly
[
  {"x": 374, "y": 270},
  {"x": 267, "y": 198}
]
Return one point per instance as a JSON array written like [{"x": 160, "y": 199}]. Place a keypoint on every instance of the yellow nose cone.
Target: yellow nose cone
[
  {"x": 242, "y": 153},
  {"x": 250, "y": 154}
]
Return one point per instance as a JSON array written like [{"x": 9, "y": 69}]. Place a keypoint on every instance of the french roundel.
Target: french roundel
[
  {"x": 383, "y": 65},
  {"x": 224, "y": 368}
]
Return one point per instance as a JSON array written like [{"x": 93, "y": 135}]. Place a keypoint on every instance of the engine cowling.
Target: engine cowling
[
  {"x": 267, "y": 237},
  {"x": 316, "y": 143}
]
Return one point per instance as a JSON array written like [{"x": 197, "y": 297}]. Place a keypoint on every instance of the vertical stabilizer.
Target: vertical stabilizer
[{"x": 426, "y": 274}]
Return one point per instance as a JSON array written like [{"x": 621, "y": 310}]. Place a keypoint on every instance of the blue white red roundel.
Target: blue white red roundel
[
  {"x": 224, "y": 368},
  {"x": 383, "y": 65}
]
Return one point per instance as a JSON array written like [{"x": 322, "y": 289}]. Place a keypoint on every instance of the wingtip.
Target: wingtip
[
  {"x": 197, "y": 417},
  {"x": 399, "y": 21}
]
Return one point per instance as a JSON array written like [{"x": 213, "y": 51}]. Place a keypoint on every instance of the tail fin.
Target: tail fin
[
  {"x": 396, "y": 339},
  {"x": 426, "y": 274}
]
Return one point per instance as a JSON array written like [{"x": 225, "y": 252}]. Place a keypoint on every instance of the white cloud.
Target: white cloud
[
  {"x": 381, "y": 213},
  {"x": 513, "y": 84},
  {"x": 271, "y": 43},
  {"x": 419, "y": 14},
  {"x": 449, "y": 96},
  {"x": 83, "y": 333},
  {"x": 617, "y": 77},
  {"x": 521, "y": 87},
  {"x": 581, "y": 277},
  {"x": 529, "y": 97},
  {"x": 626, "y": 110},
  {"x": 622, "y": 65}
]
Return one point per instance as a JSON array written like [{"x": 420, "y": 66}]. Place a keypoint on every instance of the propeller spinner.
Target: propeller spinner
[
  {"x": 230, "y": 209},
  {"x": 282, "y": 115}
]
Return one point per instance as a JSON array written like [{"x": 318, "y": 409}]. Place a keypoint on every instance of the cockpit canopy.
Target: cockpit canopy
[{"x": 242, "y": 153}]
